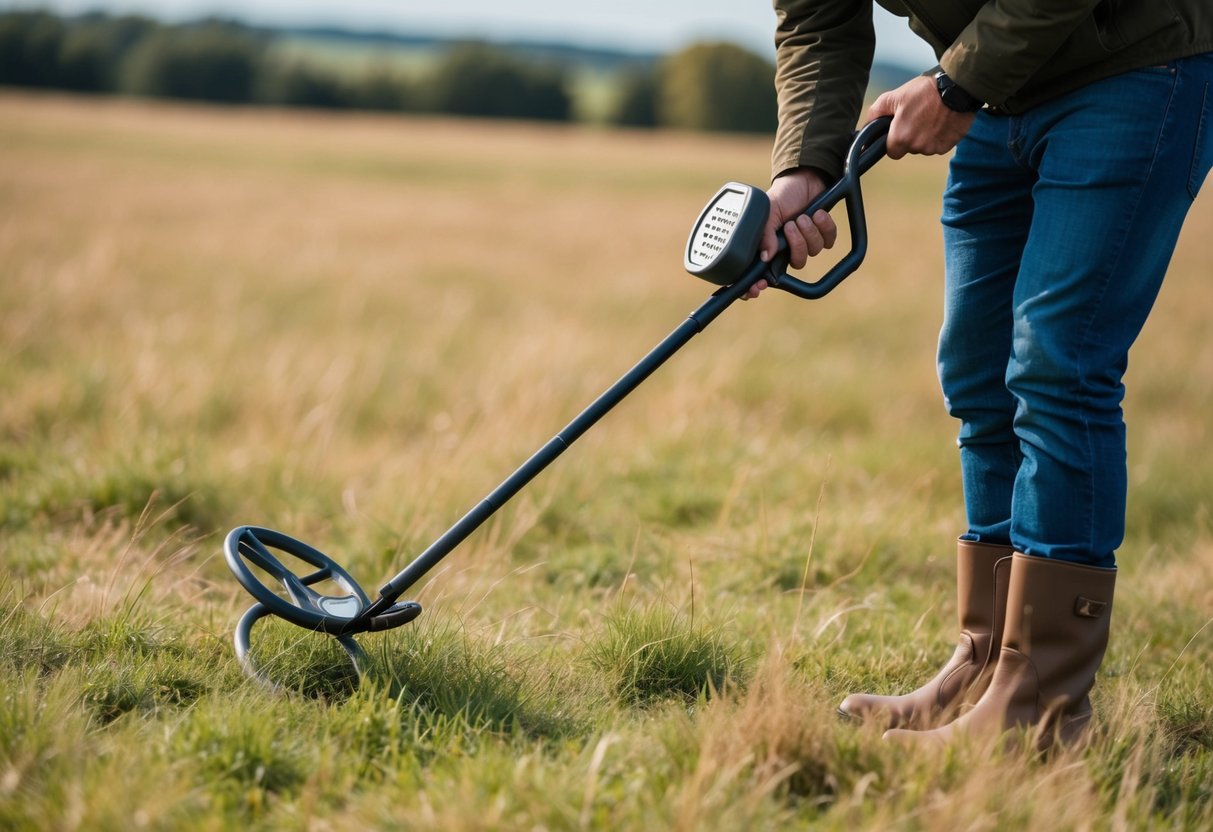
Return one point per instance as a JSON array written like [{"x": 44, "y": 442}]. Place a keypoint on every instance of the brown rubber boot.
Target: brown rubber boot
[
  {"x": 982, "y": 573},
  {"x": 1053, "y": 641}
]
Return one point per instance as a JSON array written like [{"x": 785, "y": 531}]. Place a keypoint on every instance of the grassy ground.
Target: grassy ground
[{"x": 353, "y": 328}]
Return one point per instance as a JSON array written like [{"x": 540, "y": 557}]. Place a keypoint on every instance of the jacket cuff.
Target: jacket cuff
[
  {"x": 970, "y": 81},
  {"x": 822, "y": 144}
]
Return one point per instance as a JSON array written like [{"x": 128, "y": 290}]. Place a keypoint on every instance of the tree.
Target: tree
[
  {"x": 637, "y": 105},
  {"x": 29, "y": 49},
  {"x": 93, "y": 48},
  {"x": 717, "y": 86},
  {"x": 212, "y": 61},
  {"x": 299, "y": 84},
  {"x": 383, "y": 88},
  {"x": 479, "y": 80}
]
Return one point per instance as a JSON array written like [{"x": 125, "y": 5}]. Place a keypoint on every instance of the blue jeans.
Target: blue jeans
[{"x": 1059, "y": 225}]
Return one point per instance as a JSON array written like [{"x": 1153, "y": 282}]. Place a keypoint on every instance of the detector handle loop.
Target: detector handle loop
[{"x": 867, "y": 148}]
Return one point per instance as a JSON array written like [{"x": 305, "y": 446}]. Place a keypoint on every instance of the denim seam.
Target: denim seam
[
  {"x": 1015, "y": 143},
  {"x": 1194, "y": 181},
  {"x": 1131, "y": 216}
]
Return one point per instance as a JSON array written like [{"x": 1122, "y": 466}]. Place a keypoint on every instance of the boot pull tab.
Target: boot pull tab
[{"x": 1088, "y": 608}]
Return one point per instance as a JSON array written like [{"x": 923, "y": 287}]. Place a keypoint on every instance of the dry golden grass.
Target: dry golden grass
[{"x": 352, "y": 327}]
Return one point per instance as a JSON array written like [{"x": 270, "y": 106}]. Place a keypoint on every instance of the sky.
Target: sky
[{"x": 638, "y": 25}]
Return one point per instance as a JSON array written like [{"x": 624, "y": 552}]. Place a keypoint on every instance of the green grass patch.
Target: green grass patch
[{"x": 647, "y": 655}]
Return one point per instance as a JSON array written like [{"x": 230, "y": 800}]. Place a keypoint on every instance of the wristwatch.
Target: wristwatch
[{"x": 954, "y": 96}]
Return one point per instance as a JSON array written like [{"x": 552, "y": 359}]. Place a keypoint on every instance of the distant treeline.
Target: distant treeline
[{"x": 715, "y": 86}]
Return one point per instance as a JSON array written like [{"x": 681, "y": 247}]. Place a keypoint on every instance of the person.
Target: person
[{"x": 1081, "y": 132}]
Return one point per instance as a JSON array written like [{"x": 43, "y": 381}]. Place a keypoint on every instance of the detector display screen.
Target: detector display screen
[
  {"x": 716, "y": 228},
  {"x": 724, "y": 240}
]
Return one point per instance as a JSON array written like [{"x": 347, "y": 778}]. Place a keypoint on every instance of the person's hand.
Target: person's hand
[
  {"x": 922, "y": 123},
  {"x": 807, "y": 236}
]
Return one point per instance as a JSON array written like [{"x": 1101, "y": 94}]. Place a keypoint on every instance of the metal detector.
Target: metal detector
[{"x": 722, "y": 249}]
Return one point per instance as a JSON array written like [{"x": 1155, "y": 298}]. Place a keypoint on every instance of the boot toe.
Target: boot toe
[{"x": 858, "y": 706}]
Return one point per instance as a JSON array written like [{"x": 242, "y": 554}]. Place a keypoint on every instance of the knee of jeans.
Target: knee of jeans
[
  {"x": 976, "y": 394},
  {"x": 988, "y": 424},
  {"x": 1038, "y": 375},
  {"x": 1051, "y": 389}
]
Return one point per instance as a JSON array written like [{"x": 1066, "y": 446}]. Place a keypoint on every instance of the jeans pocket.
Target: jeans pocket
[{"x": 1202, "y": 153}]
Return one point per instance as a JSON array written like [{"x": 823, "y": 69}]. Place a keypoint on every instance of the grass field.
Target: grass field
[{"x": 351, "y": 328}]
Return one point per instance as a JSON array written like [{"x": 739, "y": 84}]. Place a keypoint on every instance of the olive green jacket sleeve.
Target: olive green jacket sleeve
[
  {"x": 823, "y": 54},
  {"x": 1007, "y": 42},
  {"x": 1011, "y": 54}
]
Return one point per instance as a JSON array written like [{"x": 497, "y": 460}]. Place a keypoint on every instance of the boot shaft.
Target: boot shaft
[
  {"x": 983, "y": 574},
  {"x": 1059, "y": 615}
]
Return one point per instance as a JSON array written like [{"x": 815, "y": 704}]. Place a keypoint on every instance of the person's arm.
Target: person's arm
[
  {"x": 1004, "y": 45},
  {"x": 823, "y": 54},
  {"x": 1008, "y": 41},
  {"x": 922, "y": 123}
]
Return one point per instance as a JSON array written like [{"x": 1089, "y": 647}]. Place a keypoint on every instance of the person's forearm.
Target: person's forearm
[{"x": 823, "y": 54}]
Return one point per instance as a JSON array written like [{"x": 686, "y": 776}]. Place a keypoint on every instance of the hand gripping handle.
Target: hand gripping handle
[{"x": 867, "y": 148}]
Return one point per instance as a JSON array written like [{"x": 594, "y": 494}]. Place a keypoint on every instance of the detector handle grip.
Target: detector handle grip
[{"x": 867, "y": 148}]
